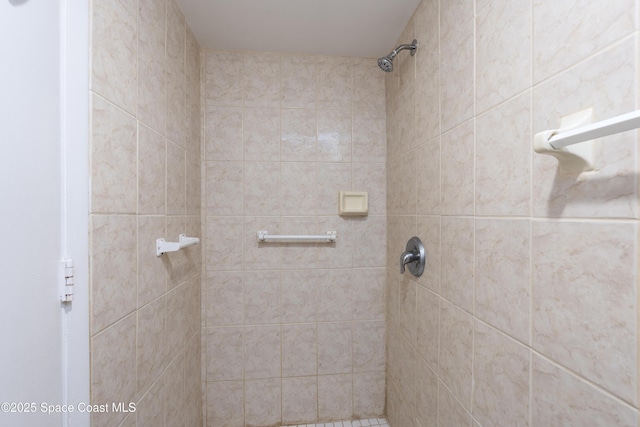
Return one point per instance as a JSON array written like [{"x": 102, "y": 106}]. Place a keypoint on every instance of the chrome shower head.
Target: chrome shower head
[{"x": 386, "y": 62}]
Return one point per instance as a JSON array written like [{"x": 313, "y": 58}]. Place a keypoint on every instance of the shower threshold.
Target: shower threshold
[{"x": 374, "y": 422}]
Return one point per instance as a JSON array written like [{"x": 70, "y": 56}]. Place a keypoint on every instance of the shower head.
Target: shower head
[{"x": 386, "y": 62}]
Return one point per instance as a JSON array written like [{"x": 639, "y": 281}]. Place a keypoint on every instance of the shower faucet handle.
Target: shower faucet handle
[{"x": 414, "y": 257}]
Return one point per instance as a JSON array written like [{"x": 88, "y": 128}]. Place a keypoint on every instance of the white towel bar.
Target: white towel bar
[
  {"x": 575, "y": 129},
  {"x": 330, "y": 237}
]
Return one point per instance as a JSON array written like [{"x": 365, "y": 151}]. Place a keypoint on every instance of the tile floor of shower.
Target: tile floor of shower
[{"x": 375, "y": 422}]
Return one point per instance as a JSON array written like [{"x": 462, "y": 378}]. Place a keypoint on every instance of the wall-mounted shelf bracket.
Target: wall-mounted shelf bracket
[
  {"x": 183, "y": 241},
  {"x": 572, "y": 159}
]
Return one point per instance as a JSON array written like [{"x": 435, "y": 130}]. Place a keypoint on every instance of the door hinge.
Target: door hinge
[{"x": 68, "y": 281}]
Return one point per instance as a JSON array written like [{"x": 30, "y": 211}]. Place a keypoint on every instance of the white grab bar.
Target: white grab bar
[
  {"x": 183, "y": 241},
  {"x": 610, "y": 126},
  {"x": 576, "y": 128},
  {"x": 330, "y": 237}
]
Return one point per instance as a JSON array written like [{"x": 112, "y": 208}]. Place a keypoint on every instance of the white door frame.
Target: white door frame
[{"x": 74, "y": 99}]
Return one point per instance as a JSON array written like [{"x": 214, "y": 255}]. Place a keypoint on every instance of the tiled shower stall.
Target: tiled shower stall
[{"x": 526, "y": 312}]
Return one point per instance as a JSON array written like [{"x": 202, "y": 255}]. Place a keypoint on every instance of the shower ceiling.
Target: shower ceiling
[{"x": 364, "y": 28}]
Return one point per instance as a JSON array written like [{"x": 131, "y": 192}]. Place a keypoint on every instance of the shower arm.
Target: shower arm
[{"x": 397, "y": 50}]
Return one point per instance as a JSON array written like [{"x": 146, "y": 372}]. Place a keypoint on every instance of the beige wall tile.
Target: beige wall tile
[
  {"x": 149, "y": 411},
  {"x": 299, "y": 296},
  {"x": 299, "y": 400},
  {"x": 331, "y": 178},
  {"x": 334, "y": 294},
  {"x": 428, "y": 326},
  {"x": 368, "y": 346},
  {"x": 262, "y": 292},
  {"x": 152, "y": 85},
  {"x": 502, "y": 260},
  {"x": 113, "y": 368},
  {"x": 334, "y": 82},
  {"x": 501, "y": 378},
  {"x": 223, "y": 250},
  {"x": 298, "y": 188},
  {"x": 456, "y": 351},
  {"x": 113, "y": 159},
  {"x": 503, "y": 51},
  {"x": 426, "y": 395},
  {"x": 177, "y": 328},
  {"x": 457, "y": 261},
  {"x": 262, "y": 188},
  {"x": 368, "y": 294},
  {"x": 450, "y": 412},
  {"x": 114, "y": 54},
  {"x": 223, "y": 130},
  {"x": 428, "y": 230},
  {"x": 152, "y": 274},
  {"x": 559, "y": 398},
  {"x": 368, "y": 85},
  {"x": 456, "y": 63},
  {"x": 503, "y": 159},
  {"x": 260, "y": 256},
  {"x": 176, "y": 180},
  {"x": 570, "y": 279},
  {"x": 224, "y": 298},
  {"x": 223, "y": 77},
  {"x": 371, "y": 177},
  {"x": 152, "y": 163},
  {"x": 193, "y": 192},
  {"x": 263, "y": 352},
  {"x": 301, "y": 255},
  {"x": 261, "y": 80},
  {"x": 144, "y": 91},
  {"x": 427, "y": 85},
  {"x": 335, "y": 397},
  {"x": 151, "y": 349},
  {"x": 193, "y": 382},
  {"x": 225, "y": 404},
  {"x": 298, "y": 81},
  {"x": 339, "y": 254},
  {"x": 368, "y": 395},
  {"x": 334, "y": 136},
  {"x": 113, "y": 269},
  {"x": 299, "y": 349},
  {"x": 406, "y": 117},
  {"x": 263, "y": 402},
  {"x": 400, "y": 229},
  {"x": 334, "y": 348},
  {"x": 428, "y": 182},
  {"x": 298, "y": 139},
  {"x": 284, "y": 190},
  {"x": 564, "y": 34},
  {"x": 224, "y": 183},
  {"x": 225, "y": 350},
  {"x": 261, "y": 134},
  {"x": 174, "y": 403},
  {"x": 369, "y": 244},
  {"x": 408, "y": 308},
  {"x": 369, "y": 136},
  {"x": 457, "y": 154},
  {"x": 402, "y": 199}
]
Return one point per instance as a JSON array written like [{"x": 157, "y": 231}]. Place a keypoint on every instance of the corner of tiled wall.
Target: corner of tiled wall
[
  {"x": 145, "y": 184},
  {"x": 292, "y": 334},
  {"x": 527, "y": 311}
]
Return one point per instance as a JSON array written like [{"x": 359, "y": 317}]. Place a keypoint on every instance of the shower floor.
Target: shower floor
[{"x": 375, "y": 422}]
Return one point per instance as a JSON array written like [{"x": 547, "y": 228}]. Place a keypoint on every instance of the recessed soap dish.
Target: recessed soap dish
[{"x": 353, "y": 203}]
